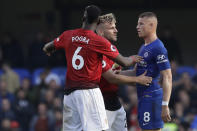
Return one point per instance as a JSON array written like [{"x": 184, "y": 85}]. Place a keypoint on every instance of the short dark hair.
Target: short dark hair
[
  {"x": 147, "y": 14},
  {"x": 93, "y": 13}
]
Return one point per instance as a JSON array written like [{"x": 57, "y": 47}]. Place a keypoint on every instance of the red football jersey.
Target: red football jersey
[
  {"x": 105, "y": 86},
  {"x": 84, "y": 53}
]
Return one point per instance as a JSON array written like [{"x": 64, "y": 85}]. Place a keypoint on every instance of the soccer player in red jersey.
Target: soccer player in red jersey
[
  {"x": 83, "y": 102},
  {"x": 115, "y": 112}
]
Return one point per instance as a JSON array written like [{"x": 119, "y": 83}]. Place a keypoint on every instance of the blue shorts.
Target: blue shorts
[{"x": 149, "y": 111}]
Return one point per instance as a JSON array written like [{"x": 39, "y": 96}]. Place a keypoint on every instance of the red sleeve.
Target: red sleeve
[
  {"x": 104, "y": 47},
  {"x": 105, "y": 65},
  {"x": 59, "y": 42}
]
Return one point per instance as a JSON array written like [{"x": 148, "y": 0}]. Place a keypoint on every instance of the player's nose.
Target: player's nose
[
  {"x": 137, "y": 27},
  {"x": 115, "y": 30}
]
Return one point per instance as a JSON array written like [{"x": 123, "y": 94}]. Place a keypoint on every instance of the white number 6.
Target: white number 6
[{"x": 77, "y": 57}]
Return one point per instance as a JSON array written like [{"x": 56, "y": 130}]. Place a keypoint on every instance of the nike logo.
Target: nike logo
[{"x": 145, "y": 124}]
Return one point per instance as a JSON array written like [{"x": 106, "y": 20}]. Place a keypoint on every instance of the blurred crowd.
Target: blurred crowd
[
  {"x": 28, "y": 53},
  {"x": 35, "y": 104},
  {"x": 27, "y": 107}
]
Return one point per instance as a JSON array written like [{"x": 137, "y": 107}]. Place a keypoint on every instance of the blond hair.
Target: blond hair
[
  {"x": 148, "y": 14},
  {"x": 109, "y": 18}
]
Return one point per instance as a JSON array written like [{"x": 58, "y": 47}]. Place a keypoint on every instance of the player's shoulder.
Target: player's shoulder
[
  {"x": 158, "y": 43},
  {"x": 159, "y": 46},
  {"x": 70, "y": 31}
]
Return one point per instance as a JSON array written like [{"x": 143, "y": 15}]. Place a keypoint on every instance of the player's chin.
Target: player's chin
[
  {"x": 114, "y": 39},
  {"x": 139, "y": 35}
]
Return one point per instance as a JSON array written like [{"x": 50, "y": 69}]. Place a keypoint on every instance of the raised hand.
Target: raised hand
[
  {"x": 136, "y": 58},
  {"x": 49, "y": 48},
  {"x": 46, "y": 52}
]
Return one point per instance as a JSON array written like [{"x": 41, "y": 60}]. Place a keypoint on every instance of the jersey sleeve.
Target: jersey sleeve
[
  {"x": 59, "y": 42},
  {"x": 161, "y": 57},
  {"x": 105, "y": 65},
  {"x": 105, "y": 48}
]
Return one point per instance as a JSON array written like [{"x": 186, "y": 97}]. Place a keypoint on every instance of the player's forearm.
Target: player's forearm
[
  {"x": 119, "y": 79},
  {"x": 167, "y": 86},
  {"x": 49, "y": 47},
  {"x": 124, "y": 61},
  {"x": 128, "y": 72}
]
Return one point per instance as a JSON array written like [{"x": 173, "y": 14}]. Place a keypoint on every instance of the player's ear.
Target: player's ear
[{"x": 99, "y": 31}]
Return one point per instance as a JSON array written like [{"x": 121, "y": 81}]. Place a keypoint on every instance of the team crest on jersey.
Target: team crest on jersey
[
  {"x": 146, "y": 54},
  {"x": 113, "y": 48},
  {"x": 58, "y": 39},
  {"x": 103, "y": 64}
]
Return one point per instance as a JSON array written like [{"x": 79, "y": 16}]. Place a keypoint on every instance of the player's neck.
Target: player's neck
[
  {"x": 150, "y": 39},
  {"x": 89, "y": 26}
]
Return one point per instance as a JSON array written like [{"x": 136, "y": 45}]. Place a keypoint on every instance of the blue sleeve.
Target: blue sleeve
[
  {"x": 161, "y": 58},
  {"x": 194, "y": 123}
]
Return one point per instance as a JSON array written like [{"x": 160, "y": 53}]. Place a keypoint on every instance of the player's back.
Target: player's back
[
  {"x": 84, "y": 51},
  {"x": 155, "y": 59}
]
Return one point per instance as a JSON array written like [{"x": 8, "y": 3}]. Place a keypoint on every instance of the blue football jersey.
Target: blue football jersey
[{"x": 155, "y": 60}]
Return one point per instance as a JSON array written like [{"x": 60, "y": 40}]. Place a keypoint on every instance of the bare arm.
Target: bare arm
[
  {"x": 129, "y": 72},
  {"x": 113, "y": 78},
  {"x": 167, "y": 87},
  {"x": 166, "y": 84},
  {"x": 49, "y": 48},
  {"x": 127, "y": 61}
]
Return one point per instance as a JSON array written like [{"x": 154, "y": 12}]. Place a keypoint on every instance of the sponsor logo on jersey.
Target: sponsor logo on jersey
[
  {"x": 81, "y": 39},
  {"x": 161, "y": 59},
  {"x": 142, "y": 63}
]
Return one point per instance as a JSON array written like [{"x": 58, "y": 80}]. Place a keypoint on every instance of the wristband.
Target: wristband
[{"x": 164, "y": 103}]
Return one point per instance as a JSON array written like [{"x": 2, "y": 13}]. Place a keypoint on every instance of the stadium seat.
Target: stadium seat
[
  {"x": 61, "y": 72},
  {"x": 190, "y": 70},
  {"x": 1, "y": 72},
  {"x": 36, "y": 74},
  {"x": 23, "y": 73}
]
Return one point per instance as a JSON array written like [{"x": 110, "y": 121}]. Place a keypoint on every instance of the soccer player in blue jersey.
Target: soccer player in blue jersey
[{"x": 153, "y": 99}]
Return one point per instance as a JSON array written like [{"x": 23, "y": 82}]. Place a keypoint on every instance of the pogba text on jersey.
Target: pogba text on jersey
[{"x": 81, "y": 39}]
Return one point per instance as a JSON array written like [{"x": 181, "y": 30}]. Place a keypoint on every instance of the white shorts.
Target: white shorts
[
  {"x": 117, "y": 120},
  {"x": 84, "y": 110}
]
